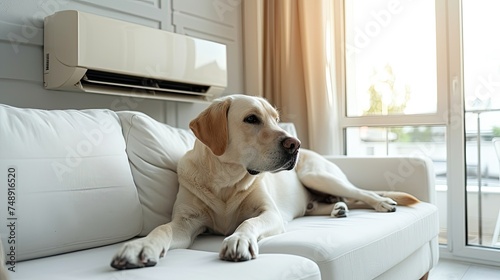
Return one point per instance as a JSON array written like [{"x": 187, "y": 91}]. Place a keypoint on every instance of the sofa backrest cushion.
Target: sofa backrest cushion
[
  {"x": 65, "y": 182},
  {"x": 154, "y": 149}
]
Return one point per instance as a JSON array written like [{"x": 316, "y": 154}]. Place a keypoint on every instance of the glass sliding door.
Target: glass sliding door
[
  {"x": 422, "y": 78},
  {"x": 481, "y": 64}
]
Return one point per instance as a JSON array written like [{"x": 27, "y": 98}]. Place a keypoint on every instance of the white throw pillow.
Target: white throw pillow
[
  {"x": 154, "y": 150},
  {"x": 65, "y": 182}
]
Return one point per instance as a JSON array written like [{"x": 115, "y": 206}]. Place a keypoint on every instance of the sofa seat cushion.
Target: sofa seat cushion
[
  {"x": 153, "y": 149},
  {"x": 371, "y": 240},
  {"x": 70, "y": 184},
  {"x": 177, "y": 264},
  {"x": 361, "y": 246}
]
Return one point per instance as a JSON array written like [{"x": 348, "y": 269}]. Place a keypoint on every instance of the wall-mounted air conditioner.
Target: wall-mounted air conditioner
[{"x": 89, "y": 53}]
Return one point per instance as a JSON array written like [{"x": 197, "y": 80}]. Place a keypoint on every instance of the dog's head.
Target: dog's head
[{"x": 244, "y": 130}]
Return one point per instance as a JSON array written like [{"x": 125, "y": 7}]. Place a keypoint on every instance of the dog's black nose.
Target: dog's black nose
[{"x": 291, "y": 144}]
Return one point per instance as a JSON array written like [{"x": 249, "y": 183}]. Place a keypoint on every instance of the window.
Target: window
[
  {"x": 481, "y": 58},
  {"x": 390, "y": 60},
  {"x": 420, "y": 80},
  {"x": 394, "y": 104}
]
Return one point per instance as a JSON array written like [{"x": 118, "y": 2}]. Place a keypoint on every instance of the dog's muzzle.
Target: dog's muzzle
[
  {"x": 291, "y": 145},
  {"x": 290, "y": 152}
]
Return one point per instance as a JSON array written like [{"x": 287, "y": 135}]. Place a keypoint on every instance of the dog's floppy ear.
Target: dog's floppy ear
[{"x": 210, "y": 127}]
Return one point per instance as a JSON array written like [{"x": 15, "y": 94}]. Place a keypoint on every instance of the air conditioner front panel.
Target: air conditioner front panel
[
  {"x": 138, "y": 50},
  {"x": 129, "y": 56}
]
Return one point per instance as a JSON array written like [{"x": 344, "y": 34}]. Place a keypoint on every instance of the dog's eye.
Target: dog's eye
[{"x": 252, "y": 119}]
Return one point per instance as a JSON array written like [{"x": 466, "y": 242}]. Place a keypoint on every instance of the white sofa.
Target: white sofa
[{"x": 82, "y": 182}]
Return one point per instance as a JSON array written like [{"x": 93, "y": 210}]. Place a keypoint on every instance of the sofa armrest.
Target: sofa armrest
[{"x": 407, "y": 174}]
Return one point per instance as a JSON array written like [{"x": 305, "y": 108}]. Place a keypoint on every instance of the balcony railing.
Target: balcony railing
[{"x": 485, "y": 185}]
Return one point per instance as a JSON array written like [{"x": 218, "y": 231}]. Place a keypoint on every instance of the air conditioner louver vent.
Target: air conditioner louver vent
[{"x": 111, "y": 79}]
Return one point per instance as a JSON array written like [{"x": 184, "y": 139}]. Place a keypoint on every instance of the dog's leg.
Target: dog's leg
[
  {"x": 242, "y": 244},
  {"x": 146, "y": 251},
  {"x": 337, "y": 186},
  {"x": 337, "y": 209},
  {"x": 317, "y": 173}
]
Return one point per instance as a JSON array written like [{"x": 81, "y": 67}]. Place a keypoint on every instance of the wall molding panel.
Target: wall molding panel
[
  {"x": 219, "y": 21},
  {"x": 21, "y": 49}
]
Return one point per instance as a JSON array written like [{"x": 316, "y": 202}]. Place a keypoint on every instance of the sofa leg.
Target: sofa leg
[{"x": 425, "y": 277}]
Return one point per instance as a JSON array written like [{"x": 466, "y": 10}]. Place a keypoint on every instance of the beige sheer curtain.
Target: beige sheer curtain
[{"x": 295, "y": 46}]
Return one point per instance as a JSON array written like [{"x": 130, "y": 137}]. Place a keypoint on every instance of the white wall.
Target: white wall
[{"x": 21, "y": 45}]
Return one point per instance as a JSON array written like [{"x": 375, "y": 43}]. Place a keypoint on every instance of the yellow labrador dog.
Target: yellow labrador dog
[{"x": 244, "y": 179}]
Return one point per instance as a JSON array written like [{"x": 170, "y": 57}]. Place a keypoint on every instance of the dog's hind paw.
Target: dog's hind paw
[
  {"x": 386, "y": 205},
  {"x": 339, "y": 210}
]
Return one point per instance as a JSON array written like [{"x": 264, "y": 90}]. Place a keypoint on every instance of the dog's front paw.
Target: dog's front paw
[
  {"x": 386, "y": 205},
  {"x": 136, "y": 254},
  {"x": 339, "y": 210},
  {"x": 239, "y": 247}
]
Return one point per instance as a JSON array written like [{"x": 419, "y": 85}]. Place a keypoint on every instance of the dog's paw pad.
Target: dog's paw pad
[
  {"x": 340, "y": 210},
  {"x": 239, "y": 247},
  {"x": 135, "y": 254},
  {"x": 149, "y": 263},
  {"x": 385, "y": 207}
]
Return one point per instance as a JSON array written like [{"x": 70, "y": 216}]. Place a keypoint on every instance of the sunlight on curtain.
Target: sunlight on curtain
[{"x": 298, "y": 68}]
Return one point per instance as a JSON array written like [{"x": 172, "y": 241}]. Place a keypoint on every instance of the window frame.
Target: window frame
[
  {"x": 450, "y": 113},
  {"x": 438, "y": 118},
  {"x": 457, "y": 247}
]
